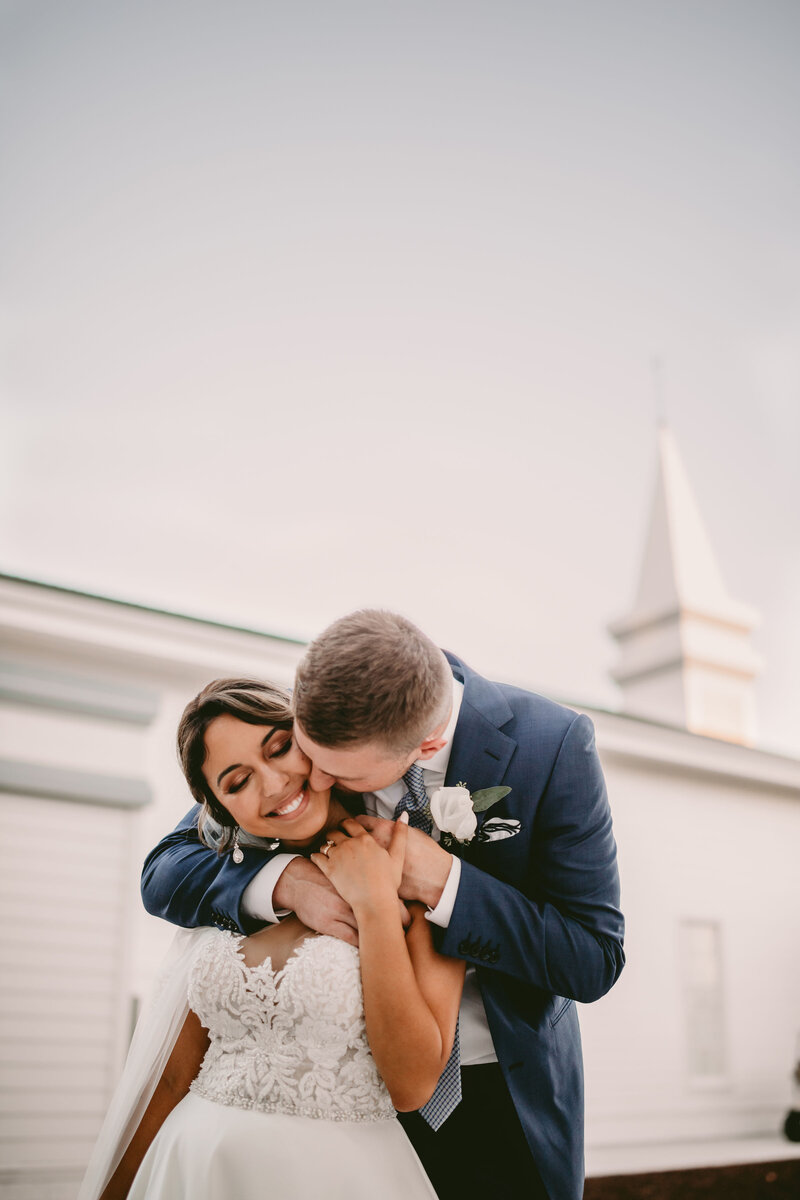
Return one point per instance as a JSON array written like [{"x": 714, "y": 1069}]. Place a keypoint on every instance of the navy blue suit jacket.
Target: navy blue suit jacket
[{"x": 537, "y": 913}]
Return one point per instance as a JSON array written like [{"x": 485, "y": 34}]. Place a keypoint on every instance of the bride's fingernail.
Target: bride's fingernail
[{"x": 403, "y": 817}]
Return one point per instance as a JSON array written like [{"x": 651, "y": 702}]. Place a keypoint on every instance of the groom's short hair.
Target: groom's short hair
[{"x": 374, "y": 677}]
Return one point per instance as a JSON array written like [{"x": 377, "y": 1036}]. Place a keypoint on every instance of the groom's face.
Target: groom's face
[{"x": 362, "y": 767}]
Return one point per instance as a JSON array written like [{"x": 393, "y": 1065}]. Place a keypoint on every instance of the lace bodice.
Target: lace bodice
[{"x": 291, "y": 1041}]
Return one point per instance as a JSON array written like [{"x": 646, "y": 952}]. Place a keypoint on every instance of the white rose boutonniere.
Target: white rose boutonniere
[
  {"x": 454, "y": 811},
  {"x": 451, "y": 809}
]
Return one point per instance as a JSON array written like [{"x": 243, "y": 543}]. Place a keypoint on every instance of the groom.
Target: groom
[{"x": 530, "y": 900}]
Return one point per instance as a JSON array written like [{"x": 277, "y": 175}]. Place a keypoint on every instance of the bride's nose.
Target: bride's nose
[
  {"x": 278, "y": 773},
  {"x": 274, "y": 777}
]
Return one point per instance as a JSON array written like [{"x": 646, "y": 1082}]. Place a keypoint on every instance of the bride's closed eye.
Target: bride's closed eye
[{"x": 270, "y": 751}]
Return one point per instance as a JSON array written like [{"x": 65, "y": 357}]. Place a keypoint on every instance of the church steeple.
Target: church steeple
[{"x": 685, "y": 653}]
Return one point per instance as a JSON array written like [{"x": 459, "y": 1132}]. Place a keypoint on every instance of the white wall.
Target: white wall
[{"x": 697, "y": 846}]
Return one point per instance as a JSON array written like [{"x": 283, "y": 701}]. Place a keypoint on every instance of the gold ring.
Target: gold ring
[{"x": 326, "y": 847}]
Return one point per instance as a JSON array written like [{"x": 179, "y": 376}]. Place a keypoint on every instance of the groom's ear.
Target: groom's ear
[
  {"x": 432, "y": 745},
  {"x": 434, "y": 742}
]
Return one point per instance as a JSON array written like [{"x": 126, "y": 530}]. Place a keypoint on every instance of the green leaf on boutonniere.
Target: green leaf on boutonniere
[{"x": 487, "y": 797}]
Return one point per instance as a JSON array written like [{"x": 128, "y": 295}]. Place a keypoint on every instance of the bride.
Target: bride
[{"x": 308, "y": 1045}]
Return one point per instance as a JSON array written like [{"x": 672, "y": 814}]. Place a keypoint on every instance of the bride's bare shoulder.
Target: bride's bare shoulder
[{"x": 276, "y": 942}]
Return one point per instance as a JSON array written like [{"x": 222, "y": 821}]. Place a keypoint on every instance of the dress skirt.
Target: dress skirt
[{"x": 209, "y": 1151}]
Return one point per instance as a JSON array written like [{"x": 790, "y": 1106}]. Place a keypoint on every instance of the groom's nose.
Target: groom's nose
[{"x": 320, "y": 780}]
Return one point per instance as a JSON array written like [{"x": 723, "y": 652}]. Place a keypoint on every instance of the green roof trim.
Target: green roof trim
[{"x": 147, "y": 608}]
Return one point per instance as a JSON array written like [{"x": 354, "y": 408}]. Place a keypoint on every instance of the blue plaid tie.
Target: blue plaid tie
[
  {"x": 415, "y": 801},
  {"x": 448, "y": 1090}
]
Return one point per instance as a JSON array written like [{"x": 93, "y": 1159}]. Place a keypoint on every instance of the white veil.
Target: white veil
[{"x": 156, "y": 1032}]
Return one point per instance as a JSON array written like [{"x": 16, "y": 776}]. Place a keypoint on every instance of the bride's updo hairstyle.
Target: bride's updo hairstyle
[{"x": 247, "y": 700}]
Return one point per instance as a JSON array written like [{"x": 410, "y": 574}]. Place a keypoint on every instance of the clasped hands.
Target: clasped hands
[{"x": 418, "y": 869}]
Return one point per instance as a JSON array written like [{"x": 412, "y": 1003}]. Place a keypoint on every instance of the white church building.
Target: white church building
[{"x": 694, "y": 1046}]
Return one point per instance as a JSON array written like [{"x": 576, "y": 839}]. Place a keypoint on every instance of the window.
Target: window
[{"x": 701, "y": 958}]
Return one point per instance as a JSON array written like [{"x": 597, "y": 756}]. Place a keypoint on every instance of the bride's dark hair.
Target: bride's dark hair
[{"x": 249, "y": 700}]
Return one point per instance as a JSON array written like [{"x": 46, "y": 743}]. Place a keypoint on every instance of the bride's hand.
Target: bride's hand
[{"x": 364, "y": 874}]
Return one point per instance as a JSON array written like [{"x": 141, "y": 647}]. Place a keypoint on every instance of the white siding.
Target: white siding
[
  {"x": 722, "y": 854},
  {"x": 62, "y": 870}
]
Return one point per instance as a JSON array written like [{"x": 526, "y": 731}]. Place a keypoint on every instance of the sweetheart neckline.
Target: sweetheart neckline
[{"x": 234, "y": 941}]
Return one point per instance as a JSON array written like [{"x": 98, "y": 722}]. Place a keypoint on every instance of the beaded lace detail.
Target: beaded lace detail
[{"x": 292, "y": 1041}]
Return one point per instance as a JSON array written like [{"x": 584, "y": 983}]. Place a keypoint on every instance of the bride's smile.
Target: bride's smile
[{"x": 289, "y": 807}]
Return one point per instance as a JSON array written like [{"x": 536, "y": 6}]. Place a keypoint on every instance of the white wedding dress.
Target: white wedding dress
[{"x": 288, "y": 1104}]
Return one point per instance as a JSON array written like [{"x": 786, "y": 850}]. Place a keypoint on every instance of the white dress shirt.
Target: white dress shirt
[{"x": 476, "y": 1040}]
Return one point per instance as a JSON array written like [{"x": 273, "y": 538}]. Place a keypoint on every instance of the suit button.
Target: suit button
[{"x": 470, "y": 946}]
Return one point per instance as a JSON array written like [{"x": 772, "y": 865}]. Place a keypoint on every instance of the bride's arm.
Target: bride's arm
[
  {"x": 414, "y": 1022},
  {"x": 182, "y": 1067},
  {"x": 411, "y": 993}
]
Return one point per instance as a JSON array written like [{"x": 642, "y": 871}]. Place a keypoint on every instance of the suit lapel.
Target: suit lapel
[{"x": 481, "y": 751}]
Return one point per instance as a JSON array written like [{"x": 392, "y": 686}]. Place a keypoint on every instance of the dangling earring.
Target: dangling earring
[{"x": 238, "y": 853}]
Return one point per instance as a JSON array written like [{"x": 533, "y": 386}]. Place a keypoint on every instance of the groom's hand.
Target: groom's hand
[
  {"x": 426, "y": 865},
  {"x": 304, "y": 890}
]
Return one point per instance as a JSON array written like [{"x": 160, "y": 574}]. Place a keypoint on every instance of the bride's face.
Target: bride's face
[{"x": 261, "y": 776}]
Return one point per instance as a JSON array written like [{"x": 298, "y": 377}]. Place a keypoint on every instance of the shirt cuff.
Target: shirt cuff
[
  {"x": 441, "y": 914},
  {"x": 257, "y": 896}
]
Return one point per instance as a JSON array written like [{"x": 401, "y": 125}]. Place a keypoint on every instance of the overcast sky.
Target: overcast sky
[{"x": 314, "y": 305}]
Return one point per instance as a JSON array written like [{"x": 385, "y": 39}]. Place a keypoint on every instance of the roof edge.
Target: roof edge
[{"x": 61, "y": 589}]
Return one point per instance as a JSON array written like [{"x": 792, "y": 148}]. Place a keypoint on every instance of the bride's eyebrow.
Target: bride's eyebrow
[{"x": 235, "y": 766}]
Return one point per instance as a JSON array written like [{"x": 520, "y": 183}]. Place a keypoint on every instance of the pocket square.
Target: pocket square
[{"x": 498, "y": 828}]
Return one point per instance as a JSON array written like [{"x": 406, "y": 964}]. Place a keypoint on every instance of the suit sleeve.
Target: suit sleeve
[
  {"x": 562, "y": 930},
  {"x": 186, "y": 883}
]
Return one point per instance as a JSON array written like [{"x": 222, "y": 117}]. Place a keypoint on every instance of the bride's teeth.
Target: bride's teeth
[{"x": 289, "y": 808}]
